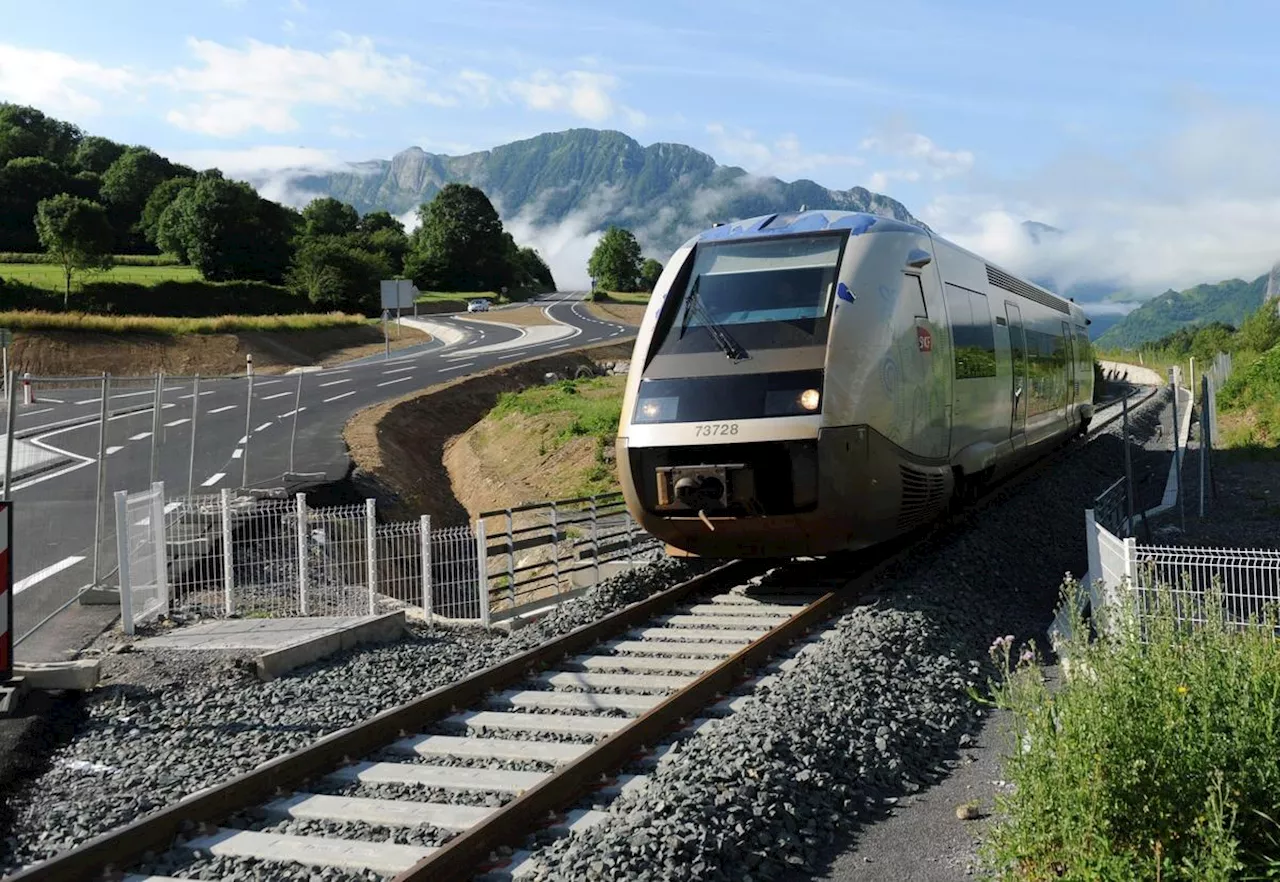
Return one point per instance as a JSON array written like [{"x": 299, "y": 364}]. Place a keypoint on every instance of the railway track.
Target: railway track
[{"x": 476, "y": 766}]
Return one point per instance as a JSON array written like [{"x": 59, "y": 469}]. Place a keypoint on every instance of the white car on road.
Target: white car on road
[{"x": 479, "y": 305}]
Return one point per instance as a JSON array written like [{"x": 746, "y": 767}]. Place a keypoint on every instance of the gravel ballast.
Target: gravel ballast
[
  {"x": 189, "y": 721},
  {"x": 871, "y": 714}
]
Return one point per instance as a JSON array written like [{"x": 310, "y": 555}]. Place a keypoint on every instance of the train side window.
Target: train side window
[
  {"x": 913, "y": 289},
  {"x": 975, "y": 342}
]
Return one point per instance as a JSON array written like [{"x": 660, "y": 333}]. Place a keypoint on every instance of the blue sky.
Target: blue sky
[{"x": 1148, "y": 130}]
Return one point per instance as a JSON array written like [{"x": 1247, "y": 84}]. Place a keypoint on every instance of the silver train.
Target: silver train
[{"x": 822, "y": 381}]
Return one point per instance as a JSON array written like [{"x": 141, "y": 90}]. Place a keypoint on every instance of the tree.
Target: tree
[
  {"x": 96, "y": 154},
  {"x": 329, "y": 217},
  {"x": 25, "y": 131},
  {"x": 650, "y": 270},
  {"x": 226, "y": 231},
  {"x": 76, "y": 233},
  {"x": 532, "y": 270},
  {"x": 1260, "y": 330},
  {"x": 24, "y": 182},
  {"x": 160, "y": 199},
  {"x": 333, "y": 274},
  {"x": 460, "y": 243},
  {"x": 377, "y": 221},
  {"x": 128, "y": 183},
  {"x": 615, "y": 262}
]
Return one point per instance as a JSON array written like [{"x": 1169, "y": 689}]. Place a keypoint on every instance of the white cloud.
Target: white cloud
[
  {"x": 1200, "y": 203},
  {"x": 895, "y": 140},
  {"x": 566, "y": 246},
  {"x": 262, "y": 85},
  {"x": 57, "y": 83},
  {"x": 784, "y": 157},
  {"x": 265, "y": 158},
  {"x": 584, "y": 94}
]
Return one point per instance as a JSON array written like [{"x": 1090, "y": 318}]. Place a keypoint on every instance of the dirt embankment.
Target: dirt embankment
[
  {"x": 400, "y": 446},
  {"x": 623, "y": 313},
  {"x": 81, "y": 353}
]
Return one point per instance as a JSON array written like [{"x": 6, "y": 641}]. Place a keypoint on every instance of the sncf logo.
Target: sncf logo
[{"x": 924, "y": 340}]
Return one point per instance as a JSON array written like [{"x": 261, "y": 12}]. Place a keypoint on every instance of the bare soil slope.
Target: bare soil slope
[
  {"x": 81, "y": 353},
  {"x": 400, "y": 445}
]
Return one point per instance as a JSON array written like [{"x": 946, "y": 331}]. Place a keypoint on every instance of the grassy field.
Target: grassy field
[
  {"x": 635, "y": 297},
  {"x": 146, "y": 324},
  {"x": 1249, "y": 403},
  {"x": 495, "y": 298},
  {"x": 50, "y": 276},
  {"x": 120, "y": 259}
]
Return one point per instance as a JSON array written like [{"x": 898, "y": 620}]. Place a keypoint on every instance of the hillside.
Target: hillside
[
  {"x": 1228, "y": 302},
  {"x": 664, "y": 192}
]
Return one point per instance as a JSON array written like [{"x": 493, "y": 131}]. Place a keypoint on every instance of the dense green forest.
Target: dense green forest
[
  {"x": 85, "y": 203},
  {"x": 1225, "y": 303}
]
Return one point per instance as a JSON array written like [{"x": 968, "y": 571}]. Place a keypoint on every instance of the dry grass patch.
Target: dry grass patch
[
  {"x": 522, "y": 315},
  {"x": 623, "y": 313}
]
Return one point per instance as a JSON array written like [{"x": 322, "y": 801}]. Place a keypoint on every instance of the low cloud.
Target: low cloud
[
  {"x": 59, "y": 84},
  {"x": 784, "y": 156},
  {"x": 1198, "y": 204},
  {"x": 566, "y": 246}
]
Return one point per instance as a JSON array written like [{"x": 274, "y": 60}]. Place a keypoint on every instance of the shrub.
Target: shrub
[{"x": 1159, "y": 758}]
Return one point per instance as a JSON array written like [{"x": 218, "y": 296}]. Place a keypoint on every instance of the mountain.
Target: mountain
[
  {"x": 1228, "y": 301},
  {"x": 590, "y": 178}
]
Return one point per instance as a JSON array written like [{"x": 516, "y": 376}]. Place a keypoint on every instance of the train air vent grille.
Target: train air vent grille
[
  {"x": 923, "y": 494},
  {"x": 1001, "y": 279}
]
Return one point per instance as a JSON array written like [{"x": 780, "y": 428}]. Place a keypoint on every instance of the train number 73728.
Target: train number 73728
[{"x": 707, "y": 429}]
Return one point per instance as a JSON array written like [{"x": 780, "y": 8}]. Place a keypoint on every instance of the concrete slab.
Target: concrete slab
[
  {"x": 387, "y": 812},
  {"x": 746, "y": 623},
  {"x": 697, "y": 635},
  {"x": 644, "y": 663},
  {"x": 381, "y": 857},
  {"x": 287, "y": 642},
  {"x": 583, "y": 701},
  {"x": 593, "y": 680},
  {"x": 80, "y": 675},
  {"x": 442, "y": 777},
  {"x": 559, "y": 724},
  {"x": 510, "y": 749},
  {"x": 680, "y": 647}
]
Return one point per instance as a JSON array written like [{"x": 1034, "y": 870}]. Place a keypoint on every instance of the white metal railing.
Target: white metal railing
[
  {"x": 1244, "y": 582},
  {"x": 221, "y": 555}
]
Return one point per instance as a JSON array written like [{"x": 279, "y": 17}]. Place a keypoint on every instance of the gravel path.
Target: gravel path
[
  {"x": 172, "y": 723},
  {"x": 878, "y": 711}
]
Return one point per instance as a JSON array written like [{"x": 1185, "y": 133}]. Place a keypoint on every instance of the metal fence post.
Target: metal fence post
[
  {"x": 8, "y": 430},
  {"x": 1093, "y": 552},
  {"x": 103, "y": 414},
  {"x": 122, "y": 551},
  {"x": 424, "y": 541},
  {"x": 301, "y": 501},
  {"x": 293, "y": 433},
  {"x": 228, "y": 572},
  {"x": 195, "y": 419},
  {"x": 511, "y": 559},
  {"x": 482, "y": 572},
  {"x": 248, "y": 428},
  {"x": 1177, "y": 454},
  {"x": 595, "y": 540},
  {"x": 371, "y": 547},
  {"x": 1128, "y": 468},
  {"x": 555, "y": 541},
  {"x": 1204, "y": 432},
  {"x": 162, "y": 548},
  {"x": 155, "y": 422}
]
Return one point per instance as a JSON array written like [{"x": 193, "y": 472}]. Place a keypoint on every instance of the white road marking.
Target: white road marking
[
  {"x": 277, "y": 395},
  {"x": 456, "y": 367},
  {"x": 399, "y": 370},
  {"x": 291, "y": 413},
  {"x": 260, "y": 383},
  {"x": 147, "y": 520},
  {"x": 39, "y": 576},
  {"x": 139, "y": 436},
  {"x": 215, "y": 479},
  {"x": 38, "y": 412},
  {"x": 336, "y": 397},
  {"x": 177, "y": 422},
  {"x": 261, "y": 427},
  {"x": 224, "y": 407},
  {"x": 208, "y": 392},
  {"x": 51, "y": 400},
  {"x": 111, "y": 450},
  {"x": 335, "y": 382},
  {"x": 512, "y": 355},
  {"x": 244, "y": 439},
  {"x": 397, "y": 380},
  {"x": 239, "y": 452},
  {"x": 120, "y": 395}
]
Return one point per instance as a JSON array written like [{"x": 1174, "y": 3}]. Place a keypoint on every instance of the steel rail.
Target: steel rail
[{"x": 123, "y": 846}]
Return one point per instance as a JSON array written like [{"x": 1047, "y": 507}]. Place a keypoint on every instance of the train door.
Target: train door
[
  {"x": 1018, "y": 387},
  {"x": 1069, "y": 352}
]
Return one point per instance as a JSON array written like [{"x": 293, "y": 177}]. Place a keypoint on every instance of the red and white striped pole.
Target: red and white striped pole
[{"x": 6, "y": 593}]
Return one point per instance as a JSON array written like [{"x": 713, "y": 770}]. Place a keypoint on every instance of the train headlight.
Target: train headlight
[
  {"x": 809, "y": 399},
  {"x": 656, "y": 410}
]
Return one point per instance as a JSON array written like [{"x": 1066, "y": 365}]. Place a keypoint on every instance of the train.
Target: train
[{"x": 817, "y": 382}]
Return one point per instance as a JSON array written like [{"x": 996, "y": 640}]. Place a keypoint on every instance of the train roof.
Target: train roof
[{"x": 857, "y": 223}]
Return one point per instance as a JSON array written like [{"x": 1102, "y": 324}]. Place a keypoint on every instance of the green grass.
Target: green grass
[
  {"x": 594, "y": 406},
  {"x": 33, "y": 320},
  {"x": 50, "y": 276},
  {"x": 1157, "y": 758},
  {"x": 638, "y": 297},
  {"x": 514, "y": 295},
  {"x": 121, "y": 259},
  {"x": 1249, "y": 402}
]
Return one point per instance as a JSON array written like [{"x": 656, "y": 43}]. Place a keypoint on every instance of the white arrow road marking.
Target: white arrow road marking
[{"x": 41, "y": 575}]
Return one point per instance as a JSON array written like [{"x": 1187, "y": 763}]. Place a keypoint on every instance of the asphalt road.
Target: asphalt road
[{"x": 54, "y": 507}]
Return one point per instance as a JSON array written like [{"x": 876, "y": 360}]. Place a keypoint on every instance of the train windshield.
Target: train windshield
[{"x": 766, "y": 294}]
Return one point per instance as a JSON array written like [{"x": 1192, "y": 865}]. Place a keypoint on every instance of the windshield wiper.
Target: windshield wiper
[{"x": 722, "y": 337}]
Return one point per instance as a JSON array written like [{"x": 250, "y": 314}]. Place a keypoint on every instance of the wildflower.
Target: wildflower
[
  {"x": 1182, "y": 689},
  {"x": 1027, "y": 657}
]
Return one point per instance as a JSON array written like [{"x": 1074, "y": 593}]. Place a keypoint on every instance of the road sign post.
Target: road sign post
[
  {"x": 386, "y": 340},
  {"x": 6, "y": 591}
]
